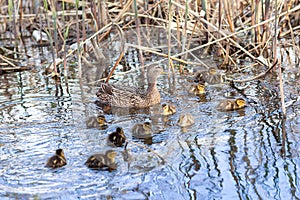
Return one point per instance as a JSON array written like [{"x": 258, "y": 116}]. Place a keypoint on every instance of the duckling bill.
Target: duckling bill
[
  {"x": 118, "y": 137},
  {"x": 58, "y": 160},
  {"x": 230, "y": 105},
  {"x": 102, "y": 161}
]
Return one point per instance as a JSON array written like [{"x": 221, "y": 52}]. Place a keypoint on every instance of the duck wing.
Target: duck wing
[{"x": 120, "y": 96}]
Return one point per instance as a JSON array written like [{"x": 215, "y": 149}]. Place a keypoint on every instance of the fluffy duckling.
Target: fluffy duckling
[
  {"x": 197, "y": 89},
  {"x": 118, "y": 137},
  {"x": 168, "y": 109},
  {"x": 102, "y": 121},
  {"x": 102, "y": 161},
  {"x": 58, "y": 160},
  {"x": 185, "y": 120},
  {"x": 230, "y": 105},
  {"x": 210, "y": 76},
  {"x": 142, "y": 131}
]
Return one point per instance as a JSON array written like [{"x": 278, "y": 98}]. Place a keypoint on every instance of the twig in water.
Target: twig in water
[
  {"x": 254, "y": 77},
  {"x": 145, "y": 147}
]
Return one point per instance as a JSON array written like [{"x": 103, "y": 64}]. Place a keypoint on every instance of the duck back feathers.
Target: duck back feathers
[{"x": 121, "y": 96}]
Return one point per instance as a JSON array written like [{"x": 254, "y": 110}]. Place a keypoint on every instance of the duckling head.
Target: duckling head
[
  {"x": 60, "y": 152},
  {"x": 111, "y": 154},
  {"x": 240, "y": 102},
  {"x": 120, "y": 130},
  {"x": 147, "y": 127},
  {"x": 212, "y": 71},
  {"x": 101, "y": 120},
  {"x": 199, "y": 89},
  {"x": 168, "y": 109}
]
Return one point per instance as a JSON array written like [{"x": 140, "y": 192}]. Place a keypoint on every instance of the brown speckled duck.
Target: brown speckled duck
[
  {"x": 230, "y": 105},
  {"x": 118, "y": 137},
  {"x": 58, "y": 160},
  {"x": 123, "y": 96},
  {"x": 102, "y": 161}
]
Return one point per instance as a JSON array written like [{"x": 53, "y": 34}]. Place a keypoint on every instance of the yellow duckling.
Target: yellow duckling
[
  {"x": 142, "y": 131},
  {"x": 168, "y": 109},
  {"x": 118, "y": 137},
  {"x": 185, "y": 120},
  {"x": 102, "y": 121},
  {"x": 197, "y": 89},
  {"x": 230, "y": 105},
  {"x": 58, "y": 160},
  {"x": 102, "y": 161}
]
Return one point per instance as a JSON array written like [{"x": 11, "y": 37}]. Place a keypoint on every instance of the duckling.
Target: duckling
[
  {"x": 142, "y": 131},
  {"x": 102, "y": 121},
  {"x": 230, "y": 105},
  {"x": 58, "y": 160},
  {"x": 118, "y": 137},
  {"x": 102, "y": 161},
  {"x": 168, "y": 109},
  {"x": 209, "y": 76},
  {"x": 185, "y": 120},
  {"x": 197, "y": 89}
]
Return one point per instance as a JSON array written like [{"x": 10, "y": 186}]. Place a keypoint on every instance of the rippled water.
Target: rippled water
[{"x": 246, "y": 154}]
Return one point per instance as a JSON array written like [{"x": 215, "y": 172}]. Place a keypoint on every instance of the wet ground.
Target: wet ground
[{"x": 247, "y": 154}]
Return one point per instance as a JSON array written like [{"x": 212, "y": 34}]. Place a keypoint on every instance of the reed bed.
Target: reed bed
[{"x": 230, "y": 30}]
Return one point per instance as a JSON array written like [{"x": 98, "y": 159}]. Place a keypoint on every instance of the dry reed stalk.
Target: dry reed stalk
[
  {"x": 184, "y": 29},
  {"x": 174, "y": 57},
  {"x": 170, "y": 64},
  {"x": 295, "y": 47},
  {"x": 219, "y": 31},
  {"x": 8, "y": 61},
  {"x": 83, "y": 26},
  {"x": 275, "y": 42},
  {"x": 138, "y": 32},
  {"x": 227, "y": 10},
  {"x": 103, "y": 14},
  {"x": 178, "y": 25},
  {"x": 204, "y": 7},
  {"x": 122, "y": 51},
  {"x": 190, "y": 39},
  {"x": 228, "y": 37}
]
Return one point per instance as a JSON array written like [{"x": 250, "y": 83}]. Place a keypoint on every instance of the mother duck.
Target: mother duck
[{"x": 123, "y": 96}]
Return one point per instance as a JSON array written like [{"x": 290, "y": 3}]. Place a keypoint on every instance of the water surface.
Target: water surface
[{"x": 247, "y": 154}]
